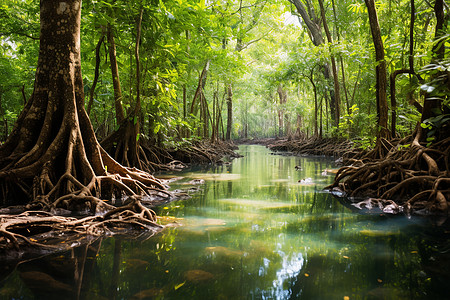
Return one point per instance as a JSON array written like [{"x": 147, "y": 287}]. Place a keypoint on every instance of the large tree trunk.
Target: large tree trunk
[
  {"x": 52, "y": 156},
  {"x": 382, "y": 107}
]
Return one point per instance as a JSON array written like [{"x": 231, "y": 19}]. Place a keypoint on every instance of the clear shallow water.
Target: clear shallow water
[{"x": 253, "y": 232}]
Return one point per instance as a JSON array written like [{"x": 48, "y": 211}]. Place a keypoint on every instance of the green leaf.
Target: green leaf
[{"x": 156, "y": 129}]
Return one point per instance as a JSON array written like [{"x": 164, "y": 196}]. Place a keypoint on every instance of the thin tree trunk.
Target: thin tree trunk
[
  {"x": 392, "y": 85},
  {"x": 137, "y": 108},
  {"x": 3, "y": 118},
  {"x": 337, "y": 97},
  {"x": 96, "y": 74},
  {"x": 381, "y": 85},
  {"x": 120, "y": 116},
  {"x": 134, "y": 145},
  {"x": 311, "y": 79},
  {"x": 432, "y": 104},
  {"x": 229, "y": 111},
  {"x": 283, "y": 99},
  {"x": 321, "y": 118},
  {"x": 24, "y": 97},
  {"x": 315, "y": 33},
  {"x": 200, "y": 85}
]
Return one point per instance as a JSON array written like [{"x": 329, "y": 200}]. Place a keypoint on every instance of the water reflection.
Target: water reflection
[{"x": 253, "y": 232}]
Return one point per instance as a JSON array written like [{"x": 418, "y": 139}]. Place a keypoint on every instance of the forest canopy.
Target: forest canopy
[{"x": 254, "y": 50}]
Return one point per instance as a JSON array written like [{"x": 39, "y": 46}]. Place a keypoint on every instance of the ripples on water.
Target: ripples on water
[{"x": 259, "y": 228}]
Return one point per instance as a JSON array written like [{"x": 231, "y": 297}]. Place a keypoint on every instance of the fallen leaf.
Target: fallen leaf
[{"x": 179, "y": 285}]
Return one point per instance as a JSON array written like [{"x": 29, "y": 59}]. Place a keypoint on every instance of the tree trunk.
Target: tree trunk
[
  {"x": 311, "y": 79},
  {"x": 200, "y": 85},
  {"x": 134, "y": 141},
  {"x": 439, "y": 48},
  {"x": 229, "y": 112},
  {"x": 97, "y": 68},
  {"x": 382, "y": 107},
  {"x": 315, "y": 33},
  {"x": 120, "y": 116},
  {"x": 432, "y": 105},
  {"x": 337, "y": 97},
  {"x": 52, "y": 156},
  {"x": 313, "y": 27},
  {"x": 282, "y": 95}
]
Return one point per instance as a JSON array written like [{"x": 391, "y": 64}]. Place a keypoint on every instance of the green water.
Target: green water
[{"x": 252, "y": 231}]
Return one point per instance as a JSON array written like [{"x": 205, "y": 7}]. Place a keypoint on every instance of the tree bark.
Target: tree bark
[
  {"x": 432, "y": 105},
  {"x": 337, "y": 97},
  {"x": 381, "y": 82},
  {"x": 282, "y": 95},
  {"x": 200, "y": 85},
  {"x": 52, "y": 155},
  {"x": 229, "y": 111},
  {"x": 313, "y": 24},
  {"x": 96, "y": 74},
  {"x": 120, "y": 116},
  {"x": 439, "y": 48},
  {"x": 313, "y": 27}
]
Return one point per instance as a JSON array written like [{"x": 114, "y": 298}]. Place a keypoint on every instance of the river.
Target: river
[{"x": 259, "y": 228}]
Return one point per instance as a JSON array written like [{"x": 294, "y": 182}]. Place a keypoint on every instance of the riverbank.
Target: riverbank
[{"x": 335, "y": 147}]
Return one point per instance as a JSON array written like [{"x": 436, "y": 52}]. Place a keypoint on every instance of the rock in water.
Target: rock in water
[{"x": 197, "y": 276}]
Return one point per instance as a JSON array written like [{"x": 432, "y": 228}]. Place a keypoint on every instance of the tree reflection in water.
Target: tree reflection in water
[{"x": 263, "y": 235}]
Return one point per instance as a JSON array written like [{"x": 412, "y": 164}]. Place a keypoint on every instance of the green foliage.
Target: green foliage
[
  {"x": 347, "y": 122},
  {"x": 255, "y": 46}
]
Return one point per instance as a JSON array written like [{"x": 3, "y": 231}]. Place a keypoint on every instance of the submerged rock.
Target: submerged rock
[
  {"x": 306, "y": 181},
  {"x": 219, "y": 250},
  {"x": 197, "y": 276},
  {"x": 148, "y": 294},
  {"x": 196, "y": 181}
]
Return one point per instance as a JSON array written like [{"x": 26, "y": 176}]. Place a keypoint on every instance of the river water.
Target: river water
[{"x": 259, "y": 228}]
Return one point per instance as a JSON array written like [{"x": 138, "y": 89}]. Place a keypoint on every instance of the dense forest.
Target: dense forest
[{"x": 95, "y": 98}]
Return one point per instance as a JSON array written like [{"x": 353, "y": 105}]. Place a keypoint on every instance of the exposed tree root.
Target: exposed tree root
[
  {"x": 52, "y": 160},
  {"x": 151, "y": 157},
  {"x": 133, "y": 150},
  {"x": 414, "y": 176},
  {"x": 205, "y": 152},
  {"x": 44, "y": 231}
]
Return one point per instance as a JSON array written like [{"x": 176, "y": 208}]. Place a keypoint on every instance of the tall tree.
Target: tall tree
[
  {"x": 229, "y": 94},
  {"x": 337, "y": 99},
  {"x": 52, "y": 156},
  {"x": 120, "y": 116},
  {"x": 315, "y": 33},
  {"x": 380, "y": 69}
]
